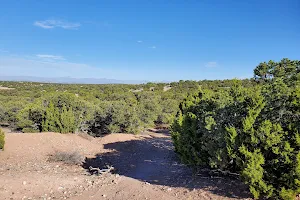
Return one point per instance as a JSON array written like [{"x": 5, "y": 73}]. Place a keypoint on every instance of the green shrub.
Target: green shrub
[
  {"x": 55, "y": 113},
  {"x": 2, "y": 139},
  {"x": 114, "y": 117},
  {"x": 251, "y": 131},
  {"x": 30, "y": 118}
]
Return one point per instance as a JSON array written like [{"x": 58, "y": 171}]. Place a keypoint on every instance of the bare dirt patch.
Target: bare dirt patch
[
  {"x": 6, "y": 88},
  {"x": 145, "y": 168},
  {"x": 166, "y": 88}
]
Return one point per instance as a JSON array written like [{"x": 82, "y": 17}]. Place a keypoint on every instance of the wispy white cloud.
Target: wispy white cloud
[
  {"x": 211, "y": 64},
  {"x": 54, "y": 66},
  {"x": 140, "y": 41},
  {"x": 3, "y": 51},
  {"x": 50, "y": 24},
  {"x": 152, "y": 47},
  {"x": 52, "y": 57}
]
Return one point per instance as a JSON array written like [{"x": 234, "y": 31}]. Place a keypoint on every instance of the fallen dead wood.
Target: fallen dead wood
[
  {"x": 218, "y": 173},
  {"x": 97, "y": 171}
]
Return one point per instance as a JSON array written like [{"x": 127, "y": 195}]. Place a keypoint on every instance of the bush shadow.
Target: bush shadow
[{"x": 153, "y": 160}]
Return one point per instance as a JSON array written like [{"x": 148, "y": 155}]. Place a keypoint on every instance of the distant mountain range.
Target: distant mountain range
[{"x": 69, "y": 80}]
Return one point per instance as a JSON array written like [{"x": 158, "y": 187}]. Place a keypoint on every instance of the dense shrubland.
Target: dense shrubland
[
  {"x": 96, "y": 109},
  {"x": 252, "y": 131}
]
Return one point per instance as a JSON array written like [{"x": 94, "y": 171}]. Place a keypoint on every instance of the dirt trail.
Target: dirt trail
[
  {"x": 146, "y": 168},
  {"x": 150, "y": 159}
]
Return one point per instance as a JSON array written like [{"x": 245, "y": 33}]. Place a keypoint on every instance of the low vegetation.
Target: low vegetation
[
  {"x": 69, "y": 158},
  {"x": 96, "y": 109},
  {"x": 85, "y": 136},
  {"x": 2, "y": 139}
]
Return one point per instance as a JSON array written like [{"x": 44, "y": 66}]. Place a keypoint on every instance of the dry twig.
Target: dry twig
[{"x": 96, "y": 170}]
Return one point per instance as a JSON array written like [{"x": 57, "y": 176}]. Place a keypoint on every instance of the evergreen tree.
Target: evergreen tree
[
  {"x": 51, "y": 121},
  {"x": 67, "y": 120}
]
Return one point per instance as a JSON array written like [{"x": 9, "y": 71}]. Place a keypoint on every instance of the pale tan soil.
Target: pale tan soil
[
  {"x": 166, "y": 88},
  {"x": 145, "y": 169},
  {"x": 6, "y": 88}
]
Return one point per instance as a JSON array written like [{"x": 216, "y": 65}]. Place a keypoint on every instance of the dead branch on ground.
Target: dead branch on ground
[{"x": 96, "y": 170}]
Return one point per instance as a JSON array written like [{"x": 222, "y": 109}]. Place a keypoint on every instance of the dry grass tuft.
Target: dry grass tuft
[
  {"x": 85, "y": 136},
  {"x": 70, "y": 158}
]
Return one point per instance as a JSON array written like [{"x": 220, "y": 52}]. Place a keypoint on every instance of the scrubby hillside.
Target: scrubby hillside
[
  {"x": 96, "y": 109},
  {"x": 246, "y": 128}
]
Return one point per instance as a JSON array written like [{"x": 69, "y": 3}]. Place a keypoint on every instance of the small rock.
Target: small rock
[
  {"x": 104, "y": 195},
  {"x": 24, "y": 182},
  {"x": 60, "y": 188},
  {"x": 169, "y": 189}
]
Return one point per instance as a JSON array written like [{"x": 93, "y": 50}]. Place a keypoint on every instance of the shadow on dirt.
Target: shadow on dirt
[{"x": 153, "y": 160}]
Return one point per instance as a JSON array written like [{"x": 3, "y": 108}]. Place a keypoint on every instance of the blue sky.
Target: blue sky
[{"x": 146, "y": 40}]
